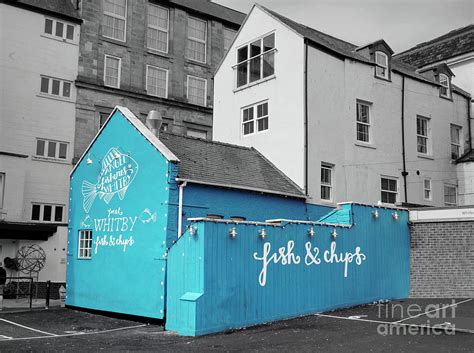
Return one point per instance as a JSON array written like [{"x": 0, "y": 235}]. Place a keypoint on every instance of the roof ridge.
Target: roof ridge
[
  {"x": 227, "y": 7},
  {"x": 214, "y": 142},
  {"x": 448, "y": 36}
]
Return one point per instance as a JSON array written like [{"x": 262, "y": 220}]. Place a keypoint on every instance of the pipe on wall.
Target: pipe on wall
[
  {"x": 469, "y": 119},
  {"x": 306, "y": 117},
  {"x": 404, "y": 172},
  {"x": 180, "y": 207}
]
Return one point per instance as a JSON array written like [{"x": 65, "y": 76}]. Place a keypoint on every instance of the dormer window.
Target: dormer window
[
  {"x": 381, "y": 62},
  {"x": 444, "y": 90}
]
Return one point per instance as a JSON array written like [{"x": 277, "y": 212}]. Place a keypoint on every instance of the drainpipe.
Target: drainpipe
[
  {"x": 404, "y": 172},
  {"x": 180, "y": 207},
  {"x": 469, "y": 122},
  {"x": 306, "y": 117}
]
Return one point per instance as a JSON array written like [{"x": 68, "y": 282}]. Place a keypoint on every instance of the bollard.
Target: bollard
[
  {"x": 62, "y": 296},
  {"x": 48, "y": 290}
]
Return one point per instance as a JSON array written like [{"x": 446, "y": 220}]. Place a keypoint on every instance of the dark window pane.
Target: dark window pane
[
  {"x": 70, "y": 32},
  {"x": 63, "y": 150},
  {"x": 48, "y": 26},
  {"x": 55, "y": 89},
  {"x": 58, "y": 214},
  {"x": 59, "y": 29},
  {"x": 269, "y": 42},
  {"x": 255, "y": 48},
  {"x": 255, "y": 69},
  {"x": 103, "y": 118},
  {"x": 242, "y": 74},
  {"x": 66, "y": 89},
  {"x": 44, "y": 84},
  {"x": 262, "y": 124},
  {"x": 47, "y": 209},
  {"x": 259, "y": 110},
  {"x": 35, "y": 213},
  {"x": 51, "y": 149},
  {"x": 242, "y": 54},
  {"x": 265, "y": 108},
  {"x": 268, "y": 64},
  {"x": 40, "y": 147}
]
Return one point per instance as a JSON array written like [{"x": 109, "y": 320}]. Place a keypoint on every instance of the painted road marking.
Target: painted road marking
[
  {"x": 28, "y": 328},
  {"x": 77, "y": 334},
  {"x": 434, "y": 310},
  {"x": 3, "y": 338}
]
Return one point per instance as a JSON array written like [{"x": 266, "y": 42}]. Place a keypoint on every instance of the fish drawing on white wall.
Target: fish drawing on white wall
[
  {"x": 147, "y": 216},
  {"x": 117, "y": 173}
]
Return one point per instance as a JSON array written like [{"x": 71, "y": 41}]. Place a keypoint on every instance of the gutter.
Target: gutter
[
  {"x": 180, "y": 207},
  {"x": 404, "y": 172},
  {"x": 306, "y": 117}
]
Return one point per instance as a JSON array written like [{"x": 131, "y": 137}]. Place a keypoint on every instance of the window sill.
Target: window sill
[
  {"x": 255, "y": 83},
  {"x": 198, "y": 63},
  {"x": 159, "y": 53},
  {"x": 114, "y": 41},
  {"x": 53, "y": 160},
  {"x": 62, "y": 40},
  {"x": 450, "y": 98},
  {"x": 327, "y": 203},
  {"x": 425, "y": 156},
  {"x": 57, "y": 98},
  {"x": 366, "y": 145},
  {"x": 383, "y": 78},
  {"x": 255, "y": 133}
]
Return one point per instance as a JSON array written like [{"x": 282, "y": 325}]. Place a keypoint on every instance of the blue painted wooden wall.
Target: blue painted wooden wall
[{"x": 214, "y": 283}]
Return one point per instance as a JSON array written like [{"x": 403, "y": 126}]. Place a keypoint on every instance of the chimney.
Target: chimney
[{"x": 153, "y": 122}]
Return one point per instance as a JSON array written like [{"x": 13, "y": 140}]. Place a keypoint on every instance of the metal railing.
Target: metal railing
[{"x": 19, "y": 287}]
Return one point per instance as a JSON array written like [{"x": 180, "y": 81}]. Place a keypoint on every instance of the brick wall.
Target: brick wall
[{"x": 442, "y": 259}]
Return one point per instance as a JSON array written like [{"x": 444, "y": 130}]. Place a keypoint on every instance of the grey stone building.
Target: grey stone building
[{"x": 150, "y": 55}]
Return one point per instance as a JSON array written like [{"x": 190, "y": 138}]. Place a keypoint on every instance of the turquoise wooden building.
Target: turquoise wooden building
[{"x": 210, "y": 236}]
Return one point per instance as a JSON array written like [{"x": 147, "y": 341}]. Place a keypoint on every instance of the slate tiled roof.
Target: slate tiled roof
[
  {"x": 466, "y": 157},
  {"x": 454, "y": 43},
  {"x": 64, "y": 8},
  {"x": 218, "y": 163},
  {"x": 209, "y": 8}
]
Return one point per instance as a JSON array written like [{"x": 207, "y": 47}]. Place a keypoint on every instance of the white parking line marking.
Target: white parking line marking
[
  {"x": 353, "y": 318},
  {"x": 77, "y": 334},
  {"x": 28, "y": 328},
  {"x": 3, "y": 338}
]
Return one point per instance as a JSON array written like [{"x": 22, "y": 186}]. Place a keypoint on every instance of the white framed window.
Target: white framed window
[
  {"x": 363, "y": 122},
  {"x": 256, "y": 61},
  {"x": 55, "y": 87},
  {"x": 196, "y": 133},
  {"x": 42, "y": 212},
  {"x": 427, "y": 191},
  {"x": 445, "y": 89},
  {"x": 158, "y": 28},
  {"x": 450, "y": 195},
  {"x": 381, "y": 64},
  {"x": 423, "y": 145},
  {"x": 51, "y": 149},
  {"x": 59, "y": 29},
  {"x": 156, "y": 81},
  {"x": 455, "y": 141},
  {"x": 112, "y": 68},
  {"x": 84, "y": 248},
  {"x": 197, "y": 40},
  {"x": 389, "y": 189},
  {"x": 196, "y": 90},
  {"x": 327, "y": 171},
  {"x": 255, "y": 118},
  {"x": 229, "y": 35},
  {"x": 2, "y": 189},
  {"x": 115, "y": 19}
]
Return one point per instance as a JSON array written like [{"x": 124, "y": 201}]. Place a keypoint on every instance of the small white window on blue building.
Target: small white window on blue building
[
  {"x": 115, "y": 19},
  {"x": 450, "y": 195},
  {"x": 255, "y": 118},
  {"x": 84, "y": 249},
  {"x": 327, "y": 171},
  {"x": 389, "y": 189}
]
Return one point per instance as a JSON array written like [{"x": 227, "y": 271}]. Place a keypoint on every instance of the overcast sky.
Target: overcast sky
[{"x": 402, "y": 23}]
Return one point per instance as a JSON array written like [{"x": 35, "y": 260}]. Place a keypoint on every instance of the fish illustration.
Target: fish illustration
[
  {"x": 86, "y": 222},
  {"x": 117, "y": 173},
  {"x": 146, "y": 216}
]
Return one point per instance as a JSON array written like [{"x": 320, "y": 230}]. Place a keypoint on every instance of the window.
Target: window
[
  {"x": 255, "y": 61},
  {"x": 51, "y": 149},
  {"x": 2, "y": 189},
  {"x": 196, "y": 133},
  {"x": 444, "y": 90},
  {"x": 112, "y": 71},
  {"x": 326, "y": 181},
  {"x": 85, "y": 244},
  {"x": 427, "y": 189},
  {"x": 59, "y": 29},
  {"x": 157, "y": 31},
  {"x": 389, "y": 190},
  {"x": 255, "y": 118},
  {"x": 450, "y": 195},
  {"x": 156, "y": 81},
  {"x": 229, "y": 35},
  {"x": 197, "y": 90},
  {"x": 381, "y": 64},
  {"x": 422, "y": 135},
  {"x": 55, "y": 87},
  {"x": 455, "y": 142},
  {"x": 363, "y": 122},
  {"x": 115, "y": 19},
  {"x": 47, "y": 213},
  {"x": 196, "y": 43}
]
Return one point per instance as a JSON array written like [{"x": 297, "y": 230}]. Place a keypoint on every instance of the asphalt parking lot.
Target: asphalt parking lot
[{"x": 440, "y": 325}]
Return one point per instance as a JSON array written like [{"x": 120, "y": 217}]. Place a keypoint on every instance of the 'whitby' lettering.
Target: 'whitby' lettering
[{"x": 115, "y": 224}]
